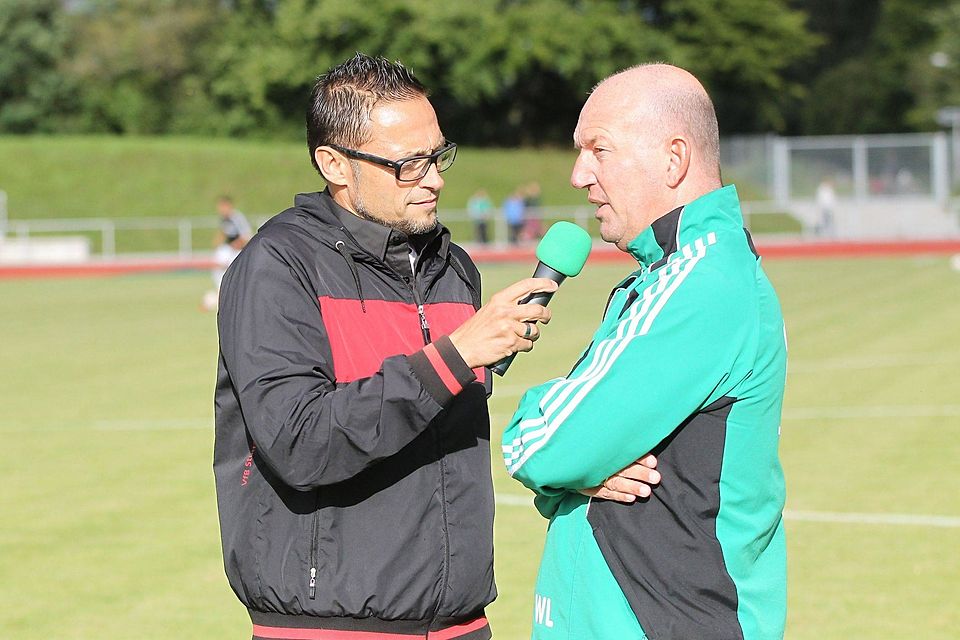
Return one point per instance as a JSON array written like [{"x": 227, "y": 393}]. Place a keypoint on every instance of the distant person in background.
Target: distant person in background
[
  {"x": 233, "y": 233},
  {"x": 479, "y": 207},
  {"x": 514, "y": 213},
  {"x": 905, "y": 182},
  {"x": 532, "y": 201},
  {"x": 826, "y": 207}
]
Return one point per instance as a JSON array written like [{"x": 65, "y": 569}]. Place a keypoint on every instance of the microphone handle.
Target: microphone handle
[
  {"x": 541, "y": 298},
  {"x": 501, "y": 367},
  {"x": 543, "y": 271}
]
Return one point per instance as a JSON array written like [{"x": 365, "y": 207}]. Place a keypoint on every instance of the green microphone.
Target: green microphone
[{"x": 562, "y": 252}]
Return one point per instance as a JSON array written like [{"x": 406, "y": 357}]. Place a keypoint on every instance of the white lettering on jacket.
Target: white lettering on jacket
[{"x": 541, "y": 611}]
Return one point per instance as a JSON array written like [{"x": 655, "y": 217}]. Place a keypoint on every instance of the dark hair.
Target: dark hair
[{"x": 342, "y": 99}]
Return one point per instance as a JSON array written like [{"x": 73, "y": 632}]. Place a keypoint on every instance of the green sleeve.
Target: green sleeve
[
  {"x": 673, "y": 351},
  {"x": 548, "y": 499}
]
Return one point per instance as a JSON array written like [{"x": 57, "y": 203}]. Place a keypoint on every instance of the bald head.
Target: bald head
[
  {"x": 648, "y": 144},
  {"x": 662, "y": 98}
]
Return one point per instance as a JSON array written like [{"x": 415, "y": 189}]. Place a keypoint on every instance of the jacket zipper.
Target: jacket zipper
[
  {"x": 313, "y": 548},
  {"x": 424, "y": 326},
  {"x": 445, "y": 569}
]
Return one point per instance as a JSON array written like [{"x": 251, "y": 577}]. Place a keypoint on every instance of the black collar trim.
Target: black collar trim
[{"x": 666, "y": 230}]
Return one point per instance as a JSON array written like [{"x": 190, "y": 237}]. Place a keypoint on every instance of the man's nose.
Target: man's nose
[
  {"x": 582, "y": 176},
  {"x": 432, "y": 179}
]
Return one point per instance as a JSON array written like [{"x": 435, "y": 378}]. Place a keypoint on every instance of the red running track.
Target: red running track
[{"x": 601, "y": 253}]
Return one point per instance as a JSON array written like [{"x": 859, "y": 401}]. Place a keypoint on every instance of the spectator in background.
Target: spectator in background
[
  {"x": 479, "y": 207},
  {"x": 905, "y": 182},
  {"x": 826, "y": 207},
  {"x": 233, "y": 233},
  {"x": 514, "y": 213},
  {"x": 532, "y": 201}
]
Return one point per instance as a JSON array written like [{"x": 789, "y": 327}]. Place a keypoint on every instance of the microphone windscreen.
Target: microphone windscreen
[{"x": 565, "y": 247}]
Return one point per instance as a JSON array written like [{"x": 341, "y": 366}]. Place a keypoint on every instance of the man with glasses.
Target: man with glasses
[{"x": 352, "y": 432}]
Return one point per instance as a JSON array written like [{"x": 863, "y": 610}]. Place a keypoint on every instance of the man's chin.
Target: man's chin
[{"x": 417, "y": 226}]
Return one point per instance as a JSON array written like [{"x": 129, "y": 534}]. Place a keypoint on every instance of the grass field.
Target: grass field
[
  {"x": 109, "y": 520},
  {"x": 129, "y": 178},
  {"x": 118, "y": 177},
  {"x": 101, "y": 176}
]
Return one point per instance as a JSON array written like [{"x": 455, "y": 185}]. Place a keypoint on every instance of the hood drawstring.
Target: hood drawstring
[{"x": 342, "y": 248}]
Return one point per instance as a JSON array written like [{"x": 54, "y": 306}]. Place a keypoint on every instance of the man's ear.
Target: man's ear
[
  {"x": 680, "y": 151},
  {"x": 334, "y": 167}
]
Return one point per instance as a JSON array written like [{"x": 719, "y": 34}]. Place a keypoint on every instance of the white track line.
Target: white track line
[
  {"x": 873, "y": 362},
  {"x": 153, "y": 425},
  {"x": 193, "y": 424},
  {"x": 791, "y": 414},
  {"x": 794, "y": 414},
  {"x": 917, "y": 520},
  {"x": 903, "y": 519},
  {"x": 877, "y": 411},
  {"x": 513, "y": 500}
]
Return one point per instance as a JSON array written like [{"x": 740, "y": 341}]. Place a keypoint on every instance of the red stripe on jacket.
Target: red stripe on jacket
[
  {"x": 291, "y": 633},
  {"x": 446, "y": 376},
  {"x": 360, "y": 342}
]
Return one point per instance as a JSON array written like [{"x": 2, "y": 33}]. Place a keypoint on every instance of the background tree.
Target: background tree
[
  {"x": 863, "y": 81},
  {"x": 934, "y": 75},
  {"x": 140, "y": 64},
  {"x": 502, "y": 72},
  {"x": 742, "y": 50},
  {"x": 516, "y": 72},
  {"x": 33, "y": 91}
]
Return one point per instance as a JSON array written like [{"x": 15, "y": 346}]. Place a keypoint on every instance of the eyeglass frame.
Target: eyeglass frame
[{"x": 397, "y": 165}]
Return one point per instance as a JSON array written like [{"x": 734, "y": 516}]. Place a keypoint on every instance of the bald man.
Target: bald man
[{"x": 689, "y": 363}]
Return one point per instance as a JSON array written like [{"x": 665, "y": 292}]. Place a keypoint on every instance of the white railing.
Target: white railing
[
  {"x": 105, "y": 230},
  {"x": 142, "y": 235},
  {"x": 3, "y": 214}
]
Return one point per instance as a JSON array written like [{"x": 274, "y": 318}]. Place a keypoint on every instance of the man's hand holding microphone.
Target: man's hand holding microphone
[{"x": 503, "y": 326}]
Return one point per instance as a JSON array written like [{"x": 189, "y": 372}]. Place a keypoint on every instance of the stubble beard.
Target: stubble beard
[{"x": 403, "y": 225}]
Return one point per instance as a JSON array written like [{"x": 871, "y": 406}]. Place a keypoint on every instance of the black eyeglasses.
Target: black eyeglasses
[{"x": 408, "y": 169}]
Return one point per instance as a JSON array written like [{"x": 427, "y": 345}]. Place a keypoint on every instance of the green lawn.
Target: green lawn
[
  {"x": 110, "y": 529},
  {"x": 113, "y": 177},
  {"x": 130, "y": 177}
]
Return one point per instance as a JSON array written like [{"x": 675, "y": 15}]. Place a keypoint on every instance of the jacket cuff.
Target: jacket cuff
[{"x": 442, "y": 371}]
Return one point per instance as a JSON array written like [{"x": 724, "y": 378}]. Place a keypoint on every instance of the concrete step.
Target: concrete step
[{"x": 892, "y": 218}]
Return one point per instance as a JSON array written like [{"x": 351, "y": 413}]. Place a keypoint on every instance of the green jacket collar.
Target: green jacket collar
[{"x": 719, "y": 209}]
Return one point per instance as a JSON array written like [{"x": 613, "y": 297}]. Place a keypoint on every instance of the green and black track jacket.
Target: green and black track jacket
[{"x": 689, "y": 362}]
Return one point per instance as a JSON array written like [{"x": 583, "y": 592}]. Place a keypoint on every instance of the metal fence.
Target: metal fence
[
  {"x": 889, "y": 186},
  {"x": 191, "y": 236},
  {"x": 862, "y": 167},
  {"x": 878, "y": 186}
]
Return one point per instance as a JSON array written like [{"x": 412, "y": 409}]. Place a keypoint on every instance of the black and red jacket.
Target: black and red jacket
[{"x": 352, "y": 454}]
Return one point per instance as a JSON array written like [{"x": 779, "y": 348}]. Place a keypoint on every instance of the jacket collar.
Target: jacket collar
[
  {"x": 710, "y": 212},
  {"x": 380, "y": 241}
]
